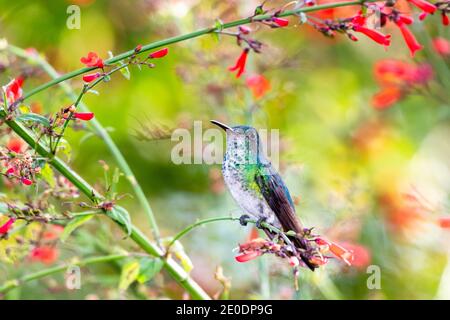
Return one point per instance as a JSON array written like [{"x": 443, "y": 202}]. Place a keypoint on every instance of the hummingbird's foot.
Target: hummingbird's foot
[
  {"x": 260, "y": 221},
  {"x": 243, "y": 220}
]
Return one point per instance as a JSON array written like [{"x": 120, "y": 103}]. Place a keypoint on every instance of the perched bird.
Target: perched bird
[{"x": 258, "y": 188}]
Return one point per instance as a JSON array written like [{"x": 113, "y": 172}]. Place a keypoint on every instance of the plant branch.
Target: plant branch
[
  {"x": 102, "y": 133},
  {"x": 191, "y": 35},
  {"x": 176, "y": 271},
  {"x": 216, "y": 219},
  {"x": 14, "y": 283}
]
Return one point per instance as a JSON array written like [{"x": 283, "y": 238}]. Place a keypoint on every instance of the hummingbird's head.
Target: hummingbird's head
[{"x": 243, "y": 142}]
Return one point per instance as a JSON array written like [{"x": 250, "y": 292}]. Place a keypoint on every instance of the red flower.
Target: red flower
[
  {"x": 248, "y": 256},
  {"x": 8, "y": 224},
  {"x": 10, "y": 170},
  {"x": 91, "y": 77},
  {"x": 92, "y": 60},
  {"x": 13, "y": 89},
  {"x": 85, "y": 116},
  {"x": 386, "y": 97},
  {"x": 16, "y": 145},
  {"x": 159, "y": 54},
  {"x": 258, "y": 84},
  {"x": 445, "y": 19},
  {"x": 441, "y": 46},
  {"x": 375, "y": 35},
  {"x": 339, "y": 251},
  {"x": 26, "y": 181},
  {"x": 444, "y": 222},
  {"x": 405, "y": 19},
  {"x": 240, "y": 63},
  {"x": 280, "y": 22},
  {"x": 44, "y": 254},
  {"x": 409, "y": 37},
  {"x": 53, "y": 233},
  {"x": 423, "y": 5}
]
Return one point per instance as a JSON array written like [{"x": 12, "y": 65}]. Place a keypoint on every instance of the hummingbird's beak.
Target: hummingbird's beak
[{"x": 221, "y": 125}]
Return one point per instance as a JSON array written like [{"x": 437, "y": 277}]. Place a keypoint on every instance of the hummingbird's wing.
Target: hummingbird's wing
[{"x": 279, "y": 200}]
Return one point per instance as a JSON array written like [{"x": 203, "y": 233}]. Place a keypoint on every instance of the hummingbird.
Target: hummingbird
[{"x": 258, "y": 188}]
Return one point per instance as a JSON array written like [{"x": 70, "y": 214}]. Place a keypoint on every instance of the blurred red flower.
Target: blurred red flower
[
  {"x": 7, "y": 226},
  {"x": 16, "y": 145},
  {"x": 444, "y": 222},
  {"x": 258, "y": 84},
  {"x": 13, "y": 89},
  {"x": 396, "y": 78},
  {"x": 44, "y": 254},
  {"x": 441, "y": 46},
  {"x": 92, "y": 60}
]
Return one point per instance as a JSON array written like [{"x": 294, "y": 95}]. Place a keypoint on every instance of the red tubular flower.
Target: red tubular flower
[
  {"x": 159, "y": 54},
  {"x": 405, "y": 19},
  {"x": 375, "y": 35},
  {"x": 7, "y": 226},
  {"x": 13, "y": 89},
  {"x": 386, "y": 97},
  {"x": 280, "y": 22},
  {"x": 91, "y": 77},
  {"x": 10, "y": 170},
  {"x": 248, "y": 256},
  {"x": 410, "y": 39},
  {"x": 445, "y": 19},
  {"x": 85, "y": 116},
  {"x": 240, "y": 63},
  {"x": 441, "y": 46},
  {"x": 361, "y": 255},
  {"x": 26, "y": 181},
  {"x": 258, "y": 84},
  {"x": 424, "y": 5},
  {"x": 92, "y": 60},
  {"x": 339, "y": 251},
  {"x": 44, "y": 254}
]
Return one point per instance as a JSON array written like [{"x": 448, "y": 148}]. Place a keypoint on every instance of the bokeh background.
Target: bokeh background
[{"x": 376, "y": 181}]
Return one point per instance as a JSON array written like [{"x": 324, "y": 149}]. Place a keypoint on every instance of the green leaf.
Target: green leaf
[
  {"x": 74, "y": 224},
  {"x": 34, "y": 117},
  {"x": 126, "y": 73},
  {"x": 121, "y": 215},
  {"x": 149, "y": 267},
  {"x": 130, "y": 272},
  {"x": 291, "y": 233},
  {"x": 47, "y": 175}
]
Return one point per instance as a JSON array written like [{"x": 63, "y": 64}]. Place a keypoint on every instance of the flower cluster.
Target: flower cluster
[
  {"x": 397, "y": 79},
  {"x": 256, "y": 247},
  {"x": 18, "y": 164},
  {"x": 13, "y": 90}
]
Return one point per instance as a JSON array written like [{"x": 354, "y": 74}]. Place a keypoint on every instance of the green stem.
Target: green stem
[
  {"x": 14, "y": 283},
  {"x": 188, "y": 36},
  {"x": 209, "y": 220},
  {"x": 102, "y": 133},
  {"x": 175, "y": 270}
]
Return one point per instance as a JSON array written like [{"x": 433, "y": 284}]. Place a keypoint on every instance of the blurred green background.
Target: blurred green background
[{"x": 347, "y": 165}]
